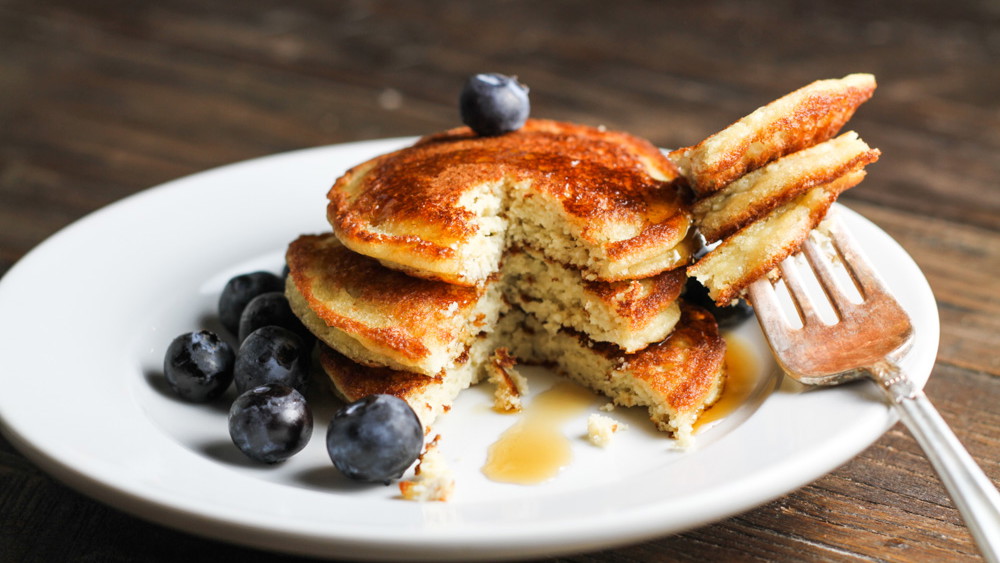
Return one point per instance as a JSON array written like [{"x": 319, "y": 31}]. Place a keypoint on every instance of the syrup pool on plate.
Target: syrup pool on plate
[
  {"x": 535, "y": 448},
  {"x": 742, "y": 374}
]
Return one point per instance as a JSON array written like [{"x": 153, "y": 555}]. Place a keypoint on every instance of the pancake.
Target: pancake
[
  {"x": 759, "y": 247},
  {"x": 675, "y": 379},
  {"x": 764, "y": 182},
  {"x": 508, "y": 385},
  {"x": 751, "y": 196},
  {"x": 447, "y": 207},
  {"x": 801, "y": 119},
  {"x": 382, "y": 317},
  {"x": 379, "y": 316},
  {"x": 630, "y": 314},
  {"x": 428, "y": 396}
]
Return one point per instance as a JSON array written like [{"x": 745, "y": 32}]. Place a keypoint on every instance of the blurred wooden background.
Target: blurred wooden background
[{"x": 100, "y": 99}]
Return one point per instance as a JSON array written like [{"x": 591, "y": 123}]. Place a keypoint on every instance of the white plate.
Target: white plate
[{"x": 85, "y": 319}]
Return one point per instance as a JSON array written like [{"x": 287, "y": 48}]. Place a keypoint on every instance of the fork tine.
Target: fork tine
[
  {"x": 765, "y": 303},
  {"x": 869, "y": 283},
  {"x": 819, "y": 261},
  {"x": 800, "y": 296}
]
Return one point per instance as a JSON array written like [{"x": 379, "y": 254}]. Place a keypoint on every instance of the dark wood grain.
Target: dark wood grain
[{"x": 101, "y": 99}]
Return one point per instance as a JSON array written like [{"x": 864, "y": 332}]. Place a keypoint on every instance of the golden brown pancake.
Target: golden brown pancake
[
  {"x": 753, "y": 251},
  {"x": 801, "y": 119},
  {"x": 676, "y": 379},
  {"x": 428, "y": 396},
  {"x": 748, "y": 198},
  {"x": 446, "y": 208},
  {"x": 764, "y": 182},
  {"x": 582, "y": 228},
  {"x": 630, "y": 314},
  {"x": 380, "y": 316}
]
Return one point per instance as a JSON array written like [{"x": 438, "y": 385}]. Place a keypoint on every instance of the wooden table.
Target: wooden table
[{"x": 99, "y": 100}]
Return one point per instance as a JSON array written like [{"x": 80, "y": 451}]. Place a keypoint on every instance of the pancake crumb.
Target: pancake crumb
[
  {"x": 601, "y": 428},
  {"x": 432, "y": 480},
  {"x": 510, "y": 385}
]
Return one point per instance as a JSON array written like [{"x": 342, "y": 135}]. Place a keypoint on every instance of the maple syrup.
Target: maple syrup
[
  {"x": 534, "y": 450},
  {"x": 741, "y": 379}
]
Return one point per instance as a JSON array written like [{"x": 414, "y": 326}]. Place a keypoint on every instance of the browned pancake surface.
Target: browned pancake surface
[
  {"x": 410, "y": 320},
  {"x": 354, "y": 381},
  {"x": 686, "y": 367},
  {"x": 810, "y": 115},
  {"x": 404, "y": 207},
  {"x": 638, "y": 301}
]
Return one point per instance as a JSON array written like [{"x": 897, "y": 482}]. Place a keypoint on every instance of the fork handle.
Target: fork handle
[{"x": 972, "y": 491}]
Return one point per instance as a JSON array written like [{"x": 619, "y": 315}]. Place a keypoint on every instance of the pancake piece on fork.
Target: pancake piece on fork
[
  {"x": 752, "y": 196},
  {"x": 766, "y": 181},
  {"x": 755, "y": 250},
  {"x": 810, "y": 115}
]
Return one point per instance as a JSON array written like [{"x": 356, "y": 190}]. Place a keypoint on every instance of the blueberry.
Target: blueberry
[
  {"x": 198, "y": 366},
  {"x": 730, "y": 316},
  {"x": 270, "y": 423},
  {"x": 375, "y": 439},
  {"x": 239, "y": 291},
  {"x": 271, "y": 309},
  {"x": 271, "y": 354},
  {"x": 494, "y": 104}
]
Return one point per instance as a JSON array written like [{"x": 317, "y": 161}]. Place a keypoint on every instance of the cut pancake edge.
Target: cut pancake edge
[
  {"x": 763, "y": 183},
  {"x": 756, "y": 249},
  {"x": 378, "y": 316},
  {"x": 751, "y": 196},
  {"x": 675, "y": 379},
  {"x": 601, "y": 201},
  {"x": 800, "y": 119},
  {"x": 354, "y": 304}
]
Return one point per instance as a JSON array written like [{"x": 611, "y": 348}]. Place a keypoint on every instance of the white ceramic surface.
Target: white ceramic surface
[{"x": 86, "y": 317}]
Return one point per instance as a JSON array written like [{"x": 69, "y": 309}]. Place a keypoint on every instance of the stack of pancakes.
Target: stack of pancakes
[
  {"x": 763, "y": 183},
  {"x": 567, "y": 246},
  {"x": 559, "y": 244}
]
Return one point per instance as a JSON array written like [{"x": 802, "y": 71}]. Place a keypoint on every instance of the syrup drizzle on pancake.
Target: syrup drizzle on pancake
[{"x": 446, "y": 207}]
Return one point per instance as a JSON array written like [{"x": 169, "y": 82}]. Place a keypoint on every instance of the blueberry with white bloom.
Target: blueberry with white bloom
[
  {"x": 375, "y": 439},
  {"x": 270, "y": 423},
  {"x": 198, "y": 366},
  {"x": 271, "y": 354},
  {"x": 239, "y": 291},
  {"x": 494, "y": 104}
]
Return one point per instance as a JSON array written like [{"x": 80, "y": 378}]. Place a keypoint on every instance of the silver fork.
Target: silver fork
[{"x": 867, "y": 340}]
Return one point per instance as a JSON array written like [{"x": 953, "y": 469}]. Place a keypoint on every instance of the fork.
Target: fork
[{"x": 867, "y": 340}]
